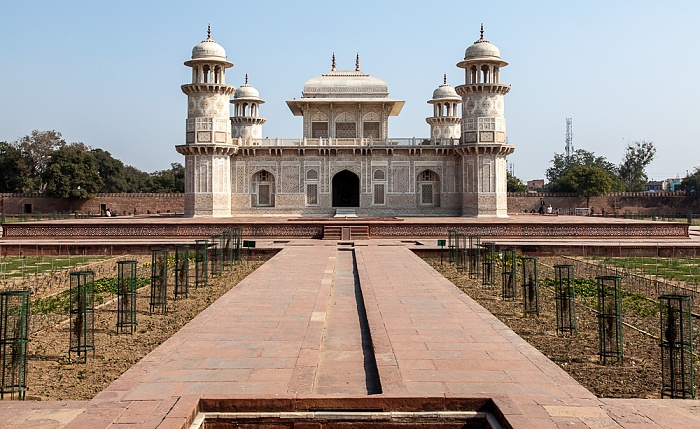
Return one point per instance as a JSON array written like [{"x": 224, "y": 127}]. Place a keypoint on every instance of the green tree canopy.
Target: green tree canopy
[
  {"x": 36, "y": 149},
  {"x": 168, "y": 181},
  {"x": 691, "y": 183},
  {"x": 632, "y": 170},
  {"x": 587, "y": 181},
  {"x": 562, "y": 165},
  {"x": 13, "y": 171},
  {"x": 111, "y": 170},
  {"x": 136, "y": 180},
  {"x": 71, "y": 172},
  {"x": 515, "y": 185}
]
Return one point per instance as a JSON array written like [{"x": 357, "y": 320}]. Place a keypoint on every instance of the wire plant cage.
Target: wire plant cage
[
  {"x": 677, "y": 375},
  {"x": 509, "y": 266},
  {"x": 159, "y": 281},
  {"x": 182, "y": 271},
  {"x": 216, "y": 256},
  {"x": 82, "y": 314},
  {"x": 452, "y": 245},
  {"x": 14, "y": 336},
  {"x": 201, "y": 262},
  {"x": 565, "y": 298},
  {"x": 609, "y": 319},
  {"x": 461, "y": 252},
  {"x": 530, "y": 286},
  {"x": 489, "y": 264},
  {"x": 474, "y": 256},
  {"x": 126, "y": 297},
  {"x": 237, "y": 241}
]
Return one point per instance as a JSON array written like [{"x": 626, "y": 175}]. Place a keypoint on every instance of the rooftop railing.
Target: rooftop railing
[{"x": 345, "y": 142}]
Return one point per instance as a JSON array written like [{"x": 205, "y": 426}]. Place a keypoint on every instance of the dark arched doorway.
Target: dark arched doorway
[{"x": 346, "y": 189}]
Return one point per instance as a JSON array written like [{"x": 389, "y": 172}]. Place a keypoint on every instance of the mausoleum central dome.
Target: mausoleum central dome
[{"x": 345, "y": 84}]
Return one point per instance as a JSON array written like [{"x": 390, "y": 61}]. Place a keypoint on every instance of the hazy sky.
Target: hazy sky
[{"x": 109, "y": 73}]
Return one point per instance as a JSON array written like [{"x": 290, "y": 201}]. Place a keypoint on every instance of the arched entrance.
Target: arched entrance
[{"x": 346, "y": 189}]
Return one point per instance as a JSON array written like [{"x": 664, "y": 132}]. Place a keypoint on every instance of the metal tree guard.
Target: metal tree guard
[
  {"x": 237, "y": 243},
  {"x": 451, "y": 245},
  {"x": 530, "y": 286},
  {"x": 126, "y": 296},
  {"x": 14, "y": 336},
  {"x": 159, "y": 281},
  {"x": 565, "y": 298},
  {"x": 609, "y": 319},
  {"x": 201, "y": 262},
  {"x": 227, "y": 240},
  {"x": 182, "y": 270},
  {"x": 461, "y": 251},
  {"x": 488, "y": 264},
  {"x": 508, "y": 274},
  {"x": 216, "y": 256},
  {"x": 677, "y": 375},
  {"x": 474, "y": 256},
  {"x": 82, "y": 313}
]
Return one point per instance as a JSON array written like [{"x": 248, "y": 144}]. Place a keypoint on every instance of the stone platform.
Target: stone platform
[
  {"x": 326, "y": 335},
  {"x": 533, "y": 234}
]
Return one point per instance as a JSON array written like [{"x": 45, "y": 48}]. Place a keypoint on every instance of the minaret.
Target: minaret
[
  {"x": 445, "y": 122},
  {"x": 208, "y": 145},
  {"x": 483, "y": 145},
  {"x": 246, "y": 123}
]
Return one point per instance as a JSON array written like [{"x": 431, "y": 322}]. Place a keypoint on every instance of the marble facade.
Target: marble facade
[{"x": 346, "y": 158}]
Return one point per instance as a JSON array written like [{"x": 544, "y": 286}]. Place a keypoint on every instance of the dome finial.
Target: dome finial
[
  {"x": 246, "y": 78},
  {"x": 444, "y": 78},
  {"x": 333, "y": 62},
  {"x": 357, "y": 62},
  {"x": 208, "y": 31},
  {"x": 482, "y": 32}
]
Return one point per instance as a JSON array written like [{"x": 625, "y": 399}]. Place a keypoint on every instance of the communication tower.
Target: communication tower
[{"x": 569, "y": 138}]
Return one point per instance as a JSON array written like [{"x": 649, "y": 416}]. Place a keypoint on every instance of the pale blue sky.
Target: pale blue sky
[{"x": 109, "y": 73}]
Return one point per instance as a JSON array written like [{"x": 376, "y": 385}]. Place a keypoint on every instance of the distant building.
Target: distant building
[
  {"x": 655, "y": 186},
  {"x": 672, "y": 183},
  {"x": 535, "y": 185},
  {"x": 668, "y": 185}
]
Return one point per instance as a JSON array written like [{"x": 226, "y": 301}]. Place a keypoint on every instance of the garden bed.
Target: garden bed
[
  {"x": 54, "y": 375},
  {"x": 639, "y": 376}
]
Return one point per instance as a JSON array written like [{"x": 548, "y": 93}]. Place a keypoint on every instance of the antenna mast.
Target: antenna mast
[{"x": 569, "y": 138}]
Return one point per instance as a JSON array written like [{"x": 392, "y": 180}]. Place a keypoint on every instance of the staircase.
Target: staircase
[
  {"x": 345, "y": 212},
  {"x": 345, "y": 233}
]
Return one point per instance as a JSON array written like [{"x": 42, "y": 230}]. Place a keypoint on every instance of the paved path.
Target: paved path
[{"x": 294, "y": 329}]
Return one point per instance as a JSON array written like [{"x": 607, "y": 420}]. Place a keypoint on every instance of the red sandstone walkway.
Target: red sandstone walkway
[{"x": 290, "y": 330}]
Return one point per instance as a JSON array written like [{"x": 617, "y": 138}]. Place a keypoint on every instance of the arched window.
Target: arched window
[
  {"x": 312, "y": 175},
  {"x": 429, "y": 188},
  {"x": 379, "y": 175},
  {"x": 263, "y": 192}
]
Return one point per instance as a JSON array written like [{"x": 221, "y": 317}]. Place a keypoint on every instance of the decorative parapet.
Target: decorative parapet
[{"x": 357, "y": 142}]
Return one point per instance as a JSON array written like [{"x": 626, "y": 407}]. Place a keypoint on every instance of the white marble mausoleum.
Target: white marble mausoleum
[{"x": 345, "y": 160}]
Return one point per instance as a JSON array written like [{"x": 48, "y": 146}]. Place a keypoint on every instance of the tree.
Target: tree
[
  {"x": 112, "y": 171},
  {"x": 13, "y": 170},
  {"x": 587, "y": 181},
  {"x": 36, "y": 148},
  {"x": 562, "y": 165},
  {"x": 71, "y": 172},
  {"x": 136, "y": 180},
  {"x": 638, "y": 155},
  {"x": 691, "y": 183},
  {"x": 515, "y": 184},
  {"x": 168, "y": 181}
]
